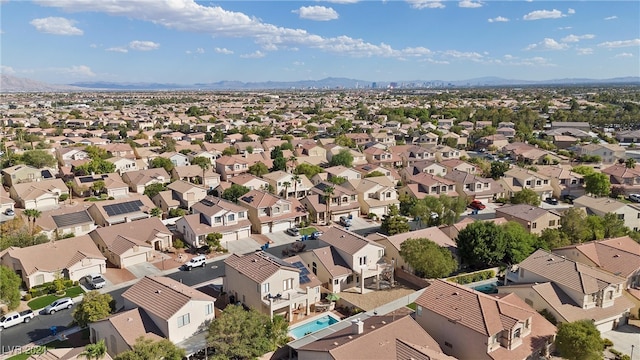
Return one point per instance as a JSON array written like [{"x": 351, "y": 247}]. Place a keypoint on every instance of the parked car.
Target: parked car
[
  {"x": 345, "y": 221},
  {"x": 478, "y": 205},
  {"x": 15, "y": 318},
  {"x": 196, "y": 261},
  {"x": 9, "y": 212},
  {"x": 552, "y": 201},
  {"x": 293, "y": 231},
  {"x": 96, "y": 281},
  {"x": 634, "y": 198},
  {"x": 316, "y": 235},
  {"x": 569, "y": 198},
  {"x": 60, "y": 304}
]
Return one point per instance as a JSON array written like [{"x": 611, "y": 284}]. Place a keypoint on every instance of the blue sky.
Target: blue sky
[{"x": 187, "y": 41}]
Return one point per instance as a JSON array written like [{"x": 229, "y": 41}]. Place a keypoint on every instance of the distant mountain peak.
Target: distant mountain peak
[{"x": 9, "y": 83}]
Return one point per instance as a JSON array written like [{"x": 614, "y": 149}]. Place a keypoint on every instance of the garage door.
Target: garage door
[
  {"x": 243, "y": 234},
  {"x": 606, "y": 326},
  {"x": 118, "y": 193},
  {"x": 281, "y": 226},
  {"x": 264, "y": 229},
  {"x": 80, "y": 273},
  {"x": 134, "y": 259},
  {"x": 42, "y": 203},
  {"x": 229, "y": 236}
]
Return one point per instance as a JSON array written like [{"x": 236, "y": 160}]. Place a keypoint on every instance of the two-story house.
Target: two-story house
[
  {"x": 534, "y": 219},
  {"x": 269, "y": 213},
  {"x": 377, "y": 156},
  {"x": 609, "y": 153},
  {"x": 139, "y": 180},
  {"x": 516, "y": 179},
  {"x": 457, "y": 164},
  {"x": 569, "y": 290},
  {"x": 630, "y": 213},
  {"x": 196, "y": 175},
  {"x": 563, "y": 180},
  {"x": 269, "y": 285},
  {"x": 627, "y": 178},
  {"x": 333, "y": 149},
  {"x": 468, "y": 324},
  {"x": 229, "y": 166},
  {"x": 427, "y": 167},
  {"x": 413, "y": 154},
  {"x": 187, "y": 193},
  {"x": 375, "y": 194},
  {"x": 424, "y": 184},
  {"x": 123, "y": 165},
  {"x": 284, "y": 184},
  {"x": 475, "y": 187},
  {"x": 328, "y": 202},
  {"x": 21, "y": 174},
  {"x": 221, "y": 216},
  {"x": 67, "y": 154},
  {"x": 343, "y": 172}
]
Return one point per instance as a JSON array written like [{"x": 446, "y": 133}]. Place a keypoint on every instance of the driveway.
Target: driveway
[
  {"x": 623, "y": 338},
  {"x": 143, "y": 269}
]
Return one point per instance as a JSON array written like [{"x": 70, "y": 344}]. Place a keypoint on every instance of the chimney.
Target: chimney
[{"x": 357, "y": 327}]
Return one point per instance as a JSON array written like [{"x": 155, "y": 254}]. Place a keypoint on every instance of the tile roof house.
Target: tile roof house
[
  {"x": 278, "y": 180},
  {"x": 214, "y": 215},
  {"x": 269, "y": 213},
  {"x": 123, "y": 150},
  {"x": 620, "y": 175},
  {"x": 66, "y": 221},
  {"x": 21, "y": 174},
  {"x": 563, "y": 180},
  {"x": 375, "y": 194},
  {"x": 73, "y": 258},
  {"x": 165, "y": 201},
  {"x": 376, "y": 338},
  {"x": 423, "y": 166},
  {"x": 139, "y": 180},
  {"x": 569, "y": 290},
  {"x": 194, "y": 174},
  {"x": 534, "y": 219},
  {"x": 424, "y": 184},
  {"x": 39, "y": 195},
  {"x": 270, "y": 285},
  {"x": 113, "y": 185},
  {"x": 517, "y": 178},
  {"x": 609, "y": 153},
  {"x": 619, "y": 256},
  {"x": 6, "y": 202},
  {"x": 110, "y": 212},
  {"x": 124, "y": 165},
  {"x": 187, "y": 193},
  {"x": 179, "y": 311},
  {"x": 134, "y": 242},
  {"x": 473, "y": 186},
  {"x": 460, "y": 165},
  {"x": 67, "y": 154},
  {"x": 468, "y": 324},
  {"x": 228, "y": 166},
  {"x": 629, "y": 212},
  {"x": 342, "y": 202}
]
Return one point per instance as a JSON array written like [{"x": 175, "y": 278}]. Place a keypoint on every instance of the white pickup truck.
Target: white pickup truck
[{"x": 15, "y": 318}]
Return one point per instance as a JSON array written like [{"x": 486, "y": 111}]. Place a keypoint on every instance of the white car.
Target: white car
[
  {"x": 60, "y": 304},
  {"x": 96, "y": 281},
  {"x": 196, "y": 261}
]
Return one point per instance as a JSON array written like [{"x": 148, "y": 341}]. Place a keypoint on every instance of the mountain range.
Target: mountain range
[{"x": 10, "y": 83}]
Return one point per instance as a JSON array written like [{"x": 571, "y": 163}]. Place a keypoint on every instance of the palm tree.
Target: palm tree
[
  {"x": 293, "y": 160},
  {"x": 286, "y": 185},
  {"x": 204, "y": 166},
  {"x": 296, "y": 179},
  {"x": 70, "y": 185},
  {"x": 32, "y": 215},
  {"x": 95, "y": 351},
  {"x": 328, "y": 192},
  {"x": 630, "y": 163}
]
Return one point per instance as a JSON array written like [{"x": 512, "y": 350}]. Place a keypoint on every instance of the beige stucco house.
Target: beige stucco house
[
  {"x": 40, "y": 195},
  {"x": 534, "y": 219},
  {"x": 269, "y": 213}
]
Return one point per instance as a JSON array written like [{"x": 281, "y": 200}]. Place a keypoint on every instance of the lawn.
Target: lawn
[
  {"x": 43, "y": 301},
  {"x": 307, "y": 231},
  {"x": 412, "y": 306}
]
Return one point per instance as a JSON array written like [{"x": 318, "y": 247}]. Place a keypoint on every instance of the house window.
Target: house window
[
  {"x": 336, "y": 281},
  {"x": 217, "y": 219},
  {"x": 388, "y": 194},
  {"x": 528, "y": 182},
  {"x": 287, "y": 284},
  {"x": 538, "y": 182},
  {"x": 609, "y": 295},
  {"x": 231, "y": 217},
  {"x": 552, "y": 223},
  {"x": 380, "y": 253},
  {"x": 362, "y": 260},
  {"x": 183, "y": 320},
  {"x": 208, "y": 310},
  {"x": 314, "y": 268},
  {"x": 516, "y": 333},
  {"x": 534, "y": 225},
  {"x": 353, "y": 198},
  {"x": 478, "y": 186},
  {"x": 241, "y": 215},
  {"x": 265, "y": 288}
]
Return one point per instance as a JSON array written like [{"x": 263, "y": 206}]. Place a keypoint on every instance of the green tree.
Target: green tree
[
  {"x": 258, "y": 169},
  {"x": 147, "y": 349},
  {"x": 574, "y": 225},
  {"x": 519, "y": 242},
  {"x": 597, "y": 184},
  {"x": 98, "y": 186},
  {"x": 156, "y": 211},
  {"x": 553, "y": 238},
  {"x": 526, "y": 196},
  {"x": 296, "y": 181},
  {"x": 213, "y": 240},
  {"x": 95, "y": 166},
  {"x": 308, "y": 170},
  {"x": 9, "y": 287},
  {"x": 613, "y": 226},
  {"x": 579, "y": 340},
  {"x": 229, "y": 151},
  {"x": 328, "y": 194},
  {"x": 583, "y": 170},
  {"x": 481, "y": 244},
  {"x": 279, "y": 164},
  {"x": 234, "y": 192},
  {"x": 427, "y": 258},
  {"x": 153, "y": 189},
  {"x": 95, "y": 351},
  {"x": 344, "y": 158},
  {"x": 498, "y": 168},
  {"x": 393, "y": 223},
  {"x": 161, "y": 162},
  {"x": 96, "y": 153},
  {"x": 374, "y": 173},
  {"x": 38, "y": 158},
  {"x": 201, "y": 160},
  {"x": 343, "y": 140},
  {"x": 241, "y": 334},
  {"x": 32, "y": 215},
  {"x": 93, "y": 307},
  {"x": 630, "y": 163},
  {"x": 337, "y": 180}
]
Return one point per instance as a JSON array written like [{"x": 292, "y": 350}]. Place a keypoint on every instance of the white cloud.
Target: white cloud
[
  {"x": 254, "y": 55},
  {"x": 611, "y": 17},
  {"x": 317, "y": 13},
  {"x": 426, "y": 4},
  {"x": 7, "y": 70},
  {"x": 547, "y": 44},
  {"x": 56, "y": 26},
  {"x": 576, "y": 38},
  {"x": 469, "y": 4},
  {"x": 571, "y": 11},
  {"x": 143, "y": 45},
  {"x": 624, "y": 55},
  {"x": 584, "y": 51},
  {"x": 620, "y": 43},
  {"x": 536, "y": 61},
  {"x": 78, "y": 70},
  {"x": 223, "y": 51},
  {"x": 543, "y": 14},
  {"x": 565, "y": 28},
  {"x": 342, "y": 1},
  {"x": 498, "y": 19},
  {"x": 200, "y": 50},
  {"x": 298, "y": 63},
  {"x": 93, "y": 46},
  {"x": 118, "y": 49}
]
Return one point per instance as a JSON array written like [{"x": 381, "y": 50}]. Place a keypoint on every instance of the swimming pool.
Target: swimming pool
[
  {"x": 487, "y": 288},
  {"x": 312, "y": 326}
]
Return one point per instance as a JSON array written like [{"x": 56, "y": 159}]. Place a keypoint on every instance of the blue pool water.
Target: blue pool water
[
  {"x": 312, "y": 326},
  {"x": 490, "y": 288}
]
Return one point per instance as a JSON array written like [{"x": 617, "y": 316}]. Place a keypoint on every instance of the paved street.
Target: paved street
[{"x": 623, "y": 338}]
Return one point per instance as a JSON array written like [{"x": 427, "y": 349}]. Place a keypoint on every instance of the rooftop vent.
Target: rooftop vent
[
  {"x": 335, "y": 343},
  {"x": 616, "y": 255},
  {"x": 550, "y": 259},
  {"x": 158, "y": 291}
]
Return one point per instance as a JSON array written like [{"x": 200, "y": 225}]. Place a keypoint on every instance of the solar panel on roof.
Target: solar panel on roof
[
  {"x": 304, "y": 279},
  {"x": 75, "y": 218},
  {"x": 86, "y": 179},
  {"x": 123, "y": 208}
]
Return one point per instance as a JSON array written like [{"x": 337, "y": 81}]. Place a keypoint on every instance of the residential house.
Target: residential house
[
  {"x": 427, "y": 139},
  {"x": 359, "y": 138},
  {"x": 444, "y": 152},
  {"x": 468, "y": 324},
  {"x": 113, "y": 185},
  {"x": 224, "y": 217},
  {"x": 516, "y": 179},
  {"x": 565, "y": 141},
  {"x": 342, "y": 172},
  {"x": 139, "y": 180},
  {"x": 187, "y": 193},
  {"x": 111, "y": 212},
  {"x": 608, "y": 153},
  {"x": 383, "y": 137},
  {"x": 122, "y": 150},
  {"x": 124, "y": 165},
  {"x": 72, "y": 258},
  {"x": 228, "y": 167},
  {"x": 507, "y": 132},
  {"x": 628, "y": 136},
  {"x": 269, "y": 213},
  {"x": 418, "y": 167},
  {"x": 569, "y": 290},
  {"x": 194, "y": 174},
  {"x": 341, "y": 202},
  {"x": 40, "y": 195},
  {"x": 333, "y": 149},
  {"x": 534, "y": 219},
  {"x": 459, "y": 140},
  {"x": 284, "y": 184},
  {"x": 211, "y": 155},
  {"x": 165, "y": 201},
  {"x": 122, "y": 330},
  {"x": 132, "y": 243},
  {"x": 474, "y": 187},
  {"x": 424, "y": 184},
  {"x": 375, "y": 195},
  {"x": 248, "y": 147},
  {"x": 457, "y": 164},
  {"x": 627, "y": 178},
  {"x": 367, "y": 169},
  {"x": 563, "y": 180},
  {"x": 580, "y": 125},
  {"x": 530, "y": 154},
  {"x": 346, "y": 260},
  {"x": 497, "y": 142},
  {"x": 630, "y": 213},
  {"x": 374, "y": 338},
  {"x": 249, "y": 181},
  {"x": 393, "y": 243},
  {"x": 178, "y": 310},
  {"x": 413, "y": 154},
  {"x": 311, "y": 149},
  {"x": 269, "y": 285},
  {"x": 65, "y": 221},
  {"x": 382, "y": 157},
  {"x": 21, "y": 174},
  {"x": 67, "y": 154}
]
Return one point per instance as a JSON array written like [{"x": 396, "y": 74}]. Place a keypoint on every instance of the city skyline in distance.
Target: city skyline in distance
[{"x": 189, "y": 42}]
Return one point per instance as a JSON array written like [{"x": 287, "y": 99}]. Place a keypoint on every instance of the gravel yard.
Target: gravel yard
[{"x": 372, "y": 299}]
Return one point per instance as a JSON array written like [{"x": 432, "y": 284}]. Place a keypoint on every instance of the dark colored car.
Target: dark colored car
[
  {"x": 552, "y": 201},
  {"x": 478, "y": 205},
  {"x": 569, "y": 198}
]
